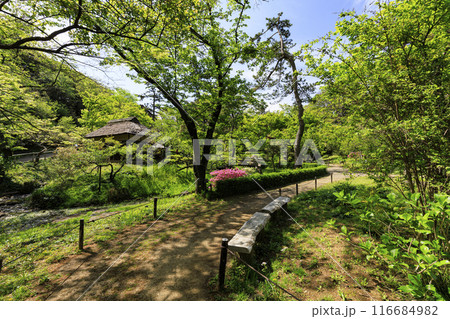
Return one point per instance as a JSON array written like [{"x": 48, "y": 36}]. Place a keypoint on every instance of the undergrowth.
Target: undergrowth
[{"x": 366, "y": 230}]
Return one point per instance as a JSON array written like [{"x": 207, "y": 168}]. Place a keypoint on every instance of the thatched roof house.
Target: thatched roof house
[{"x": 121, "y": 129}]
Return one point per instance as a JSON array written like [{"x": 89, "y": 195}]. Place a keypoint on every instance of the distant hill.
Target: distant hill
[
  {"x": 57, "y": 82},
  {"x": 46, "y": 103}
]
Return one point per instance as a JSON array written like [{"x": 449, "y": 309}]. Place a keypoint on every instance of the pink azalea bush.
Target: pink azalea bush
[
  {"x": 355, "y": 155},
  {"x": 227, "y": 173}
]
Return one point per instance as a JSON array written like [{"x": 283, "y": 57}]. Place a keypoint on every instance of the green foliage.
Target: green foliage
[
  {"x": 276, "y": 69},
  {"x": 283, "y": 246},
  {"x": 41, "y": 103},
  {"x": 413, "y": 239},
  {"x": 390, "y": 71},
  {"x": 102, "y": 106},
  {"x": 188, "y": 56},
  {"x": 335, "y": 133},
  {"x": 247, "y": 184},
  {"x": 132, "y": 183},
  {"x": 270, "y": 127}
]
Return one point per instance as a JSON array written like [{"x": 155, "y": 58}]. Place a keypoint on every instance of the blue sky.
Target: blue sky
[{"x": 310, "y": 20}]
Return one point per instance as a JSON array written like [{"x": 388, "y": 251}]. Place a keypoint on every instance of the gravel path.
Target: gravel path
[{"x": 173, "y": 260}]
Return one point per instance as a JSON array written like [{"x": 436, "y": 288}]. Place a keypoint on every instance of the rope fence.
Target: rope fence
[
  {"x": 82, "y": 225},
  {"x": 155, "y": 199},
  {"x": 225, "y": 250},
  {"x": 80, "y": 238}
]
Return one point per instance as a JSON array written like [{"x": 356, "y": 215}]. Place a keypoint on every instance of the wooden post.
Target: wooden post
[
  {"x": 315, "y": 182},
  {"x": 296, "y": 189},
  {"x": 223, "y": 263},
  {"x": 81, "y": 237},
  {"x": 155, "y": 207},
  {"x": 279, "y": 191},
  {"x": 1, "y": 264},
  {"x": 332, "y": 177}
]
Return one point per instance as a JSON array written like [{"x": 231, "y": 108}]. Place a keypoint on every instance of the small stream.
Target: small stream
[{"x": 17, "y": 215}]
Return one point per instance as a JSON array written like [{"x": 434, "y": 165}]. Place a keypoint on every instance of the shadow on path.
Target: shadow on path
[{"x": 174, "y": 260}]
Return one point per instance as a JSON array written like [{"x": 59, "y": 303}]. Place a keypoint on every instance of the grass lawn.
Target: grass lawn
[
  {"x": 52, "y": 242},
  {"x": 314, "y": 257}
]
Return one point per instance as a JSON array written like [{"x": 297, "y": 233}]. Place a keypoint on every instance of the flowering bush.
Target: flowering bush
[
  {"x": 355, "y": 155},
  {"x": 227, "y": 173},
  {"x": 245, "y": 184}
]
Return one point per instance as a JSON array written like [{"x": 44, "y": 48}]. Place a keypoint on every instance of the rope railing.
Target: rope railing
[
  {"x": 81, "y": 236},
  {"x": 132, "y": 244},
  {"x": 225, "y": 250},
  {"x": 318, "y": 244},
  {"x": 81, "y": 239},
  {"x": 39, "y": 246},
  {"x": 105, "y": 217}
]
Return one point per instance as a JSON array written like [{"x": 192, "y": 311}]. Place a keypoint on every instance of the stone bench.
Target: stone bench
[
  {"x": 245, "y": 238},
  {"x": 276, "y": 204}
]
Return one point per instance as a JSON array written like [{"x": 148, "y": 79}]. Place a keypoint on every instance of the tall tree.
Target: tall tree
[
  {"x": 276, "y": 68},
  {"x": 392, "y": 69},
  {"x": 181, "y": 48},
  {"x": 189, "y": 58}
]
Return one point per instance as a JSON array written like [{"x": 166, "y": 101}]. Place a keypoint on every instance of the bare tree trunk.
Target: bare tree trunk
[
  {"x": 298, "y": 101},
  {"x": 298, "y": 137}
]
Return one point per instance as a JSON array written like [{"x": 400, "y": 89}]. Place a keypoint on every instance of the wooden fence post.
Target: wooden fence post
[
  {"x": 223, "y": 263},
  {"x": 296, "y": 189},
  {"x": 279, "y": 191},
  {"x": 332, "y": 177},
  {"x": 315, "y": 182},
  {"x": 155, "y": 207},
  {"x": 81, "y": 237}
]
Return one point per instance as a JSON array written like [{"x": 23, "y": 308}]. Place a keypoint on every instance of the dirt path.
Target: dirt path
[{"x": 174, "y": 260}]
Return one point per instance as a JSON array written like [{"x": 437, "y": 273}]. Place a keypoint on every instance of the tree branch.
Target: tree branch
[
  {"x": 51, "y": 36},
  {"x": 4, "y": 111},
  {"x": 2, "y": 4}
]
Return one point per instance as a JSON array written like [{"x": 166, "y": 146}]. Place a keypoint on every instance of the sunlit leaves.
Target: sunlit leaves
[{"x": 391, "y": 68}]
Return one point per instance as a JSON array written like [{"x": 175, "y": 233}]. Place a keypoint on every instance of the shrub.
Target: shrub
[
  {"x": 334, "y": 159},
  {"x": 413, "y": 240},
  {"x": 131, "y": 183},
  {"x": 247, "y": 184},
  {"x": 28, "y": 187},
  {"x": 48, "y": 197},
  {"x": 117, "y": 195},
  {"x": 228, "y": 173}
]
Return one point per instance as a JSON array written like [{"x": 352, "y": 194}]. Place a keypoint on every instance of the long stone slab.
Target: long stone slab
[
  {"x": 276, "y": 204},
  {"x": 245, "y": 238}
]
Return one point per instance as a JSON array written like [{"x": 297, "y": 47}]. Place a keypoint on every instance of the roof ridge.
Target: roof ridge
[
  {"x": 127, "y": 119},
  {"x": 121, "y": 126}
]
